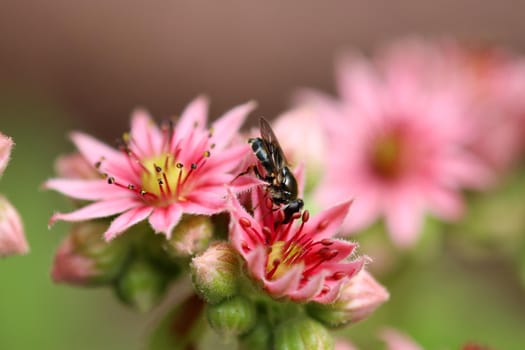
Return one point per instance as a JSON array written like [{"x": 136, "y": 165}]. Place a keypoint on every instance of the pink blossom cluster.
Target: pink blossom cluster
[
  {"x": 414, "y": 126},
  {"x": 12, "y": 238}
]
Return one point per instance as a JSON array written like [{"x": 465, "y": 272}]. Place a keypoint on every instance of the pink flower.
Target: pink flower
[
  {"x": 396, "y": 340},
  {"x": 360, "y": 297},
  {"x": 12, "y": 239},
  {"x": 159, "y": 173},
  {"x": 398, "y": 144},
  {"x": 75, "y": 166},
  {"x": 6, "y": 144},
  {"x": 299, "y": 260}
]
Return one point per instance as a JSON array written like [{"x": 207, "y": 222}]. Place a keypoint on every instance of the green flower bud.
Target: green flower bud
[
  {"x": 85, "y": 258},
  {"x": 259, "y": 338},
  {"x": 141, "y": 285},
  {"x": 191, "y": 236},
  {"x": 302, "y": 334},
  {"x": 215, "y": 273},
  {"x": 232, "y": 317}
]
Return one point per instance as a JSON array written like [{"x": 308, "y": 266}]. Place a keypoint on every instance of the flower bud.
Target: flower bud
[
  {"x": 141, "y": 285},
  {"x": 215, "y": 273},
  {"x": 85, "y": 258},
  {"x": 12, "y": 239},
  {"x": 259, "y": 338},
  {"x": 396, "y": 340},
  {"x": 190, "y": 236},
  {"x": 302, "y": 333},
  {"x": 6, "y": 144},
  {"x": 232, "y": 317},
  {"x": 360, "y": 296}
]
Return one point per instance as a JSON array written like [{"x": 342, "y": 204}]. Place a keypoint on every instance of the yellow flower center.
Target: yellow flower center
[
  {"x": 388, "y": 157},
  {"x": 162, "y": 178},
  {"x": 281, "y": 258}
]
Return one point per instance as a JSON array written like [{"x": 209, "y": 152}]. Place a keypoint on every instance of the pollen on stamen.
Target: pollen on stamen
[
  {"x": 306, "y": 216},
  {"x": 326, "y": 242},
  {"x": 322, "y": 225},
  {"x": 131, "y": 187},
  {"x": 143, "y": 193},
  {"x": 245, "y": 222},
  {"x": 179, "y": 165},
  {"x": 158, "y": 169},
  {"x": 194, "y": 166},
  {"x": 338, "y": 275},
  {"x": 207, "y": 154},
  {"x": 111, "y": 180}
]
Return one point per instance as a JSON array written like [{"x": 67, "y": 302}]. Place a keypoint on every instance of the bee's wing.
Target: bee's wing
[{"x": 275, "y": 150}]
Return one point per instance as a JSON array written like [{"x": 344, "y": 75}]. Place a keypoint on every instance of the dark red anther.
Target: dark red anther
[
  {"x": 326, "y": 242},
  {"x": 245, "y": 222},
  {"x": 267, "y": 233},
  {"x": 296, "y": 216},
  {"x": 111, "y": 180},
  {"x": 338, "y": 275},
  {"x": 245, "y": 247},
  {"x": 322, "y": 225},
  {"x": 325, "y": 290},
  {"x": 327, "y": 253},
  {"x": 268, "y": 203},
  {"x": 306, "y": 216},
  {"x": 158, "y": 169}
]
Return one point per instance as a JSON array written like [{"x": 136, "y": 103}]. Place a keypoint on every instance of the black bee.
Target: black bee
[{"x": 282, "y": 185}]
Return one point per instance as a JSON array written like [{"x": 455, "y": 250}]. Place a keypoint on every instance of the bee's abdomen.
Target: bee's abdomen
[{"x": 262, "y": 154}]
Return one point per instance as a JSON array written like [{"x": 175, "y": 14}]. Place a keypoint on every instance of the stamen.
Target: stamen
[{"x": 322, "y": 225}]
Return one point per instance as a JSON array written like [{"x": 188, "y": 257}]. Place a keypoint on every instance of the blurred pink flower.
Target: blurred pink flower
[
  {"x": 398, "y": 141},
  {"x": 159, "y": 173},
  {"x": 496, "y": 81},
  {"x": 342, "y": 344},
  {"x": 396, "y": 340},
  {"x": 12, "y": 239},
  {"x": 6, "y": 144},
  {"x": 299, "y": 260}
]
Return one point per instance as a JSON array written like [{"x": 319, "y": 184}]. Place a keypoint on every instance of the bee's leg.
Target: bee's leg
[
  {"x": 269, "y": 179},
  {"x": 249, "y": 169}
]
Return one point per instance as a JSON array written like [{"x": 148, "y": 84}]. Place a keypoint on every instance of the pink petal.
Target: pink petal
[
  {"x": 332, "y": 294},
  {"x": 165, "y": 219},
  {"x": 124, "y": 221},
  {"x": 195, "y": 114},
  {"x": 310, "y": 289},
  {"x": 287, "y": 283},
  {"x": 404, "y": 218},
  {"x": 228, "y": 159},
  {"x": 205, "y": 202},
  {"x": 86, "y": 189},
  {"x": 145, "y": 134},
  {"x": 6, "y": 144},
  {"x": 97, "y": 210},
  {"x": 396, "y": 340},
  {"x": 326, "y": 223},
  {"x": 256, "y": 261},
  {"x": 225, "y": 128},
  {"x": 447, "y": 204},
  {"x": 92, "y": 149}
]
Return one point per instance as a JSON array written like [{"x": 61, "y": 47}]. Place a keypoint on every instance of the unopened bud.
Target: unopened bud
[
  {"x": 302, "y": 333},
  {"x": 215, "y": 273},
  {"x": 190, "y": 236},
  {"x": 12, "y": 239},
  {"x": 85, "y": 258},
  {"x": 6, "y": 144},
  {"x": 141, "y": 285},
  {"x": 259, "y": 338},
  {"x": 232, "y": 317},
  {"x": 360, "y": 296}
]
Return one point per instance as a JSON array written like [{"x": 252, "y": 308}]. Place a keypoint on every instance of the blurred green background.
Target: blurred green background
[{"x": 86, "y": 66}]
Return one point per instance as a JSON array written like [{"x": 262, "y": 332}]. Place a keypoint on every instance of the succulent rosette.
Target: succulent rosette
[
  {"x": 158, "y": 173},
  {"x": 300, "y": 260}
]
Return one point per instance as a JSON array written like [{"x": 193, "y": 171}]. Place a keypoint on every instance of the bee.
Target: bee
[{"x": 282, "y": 185}]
